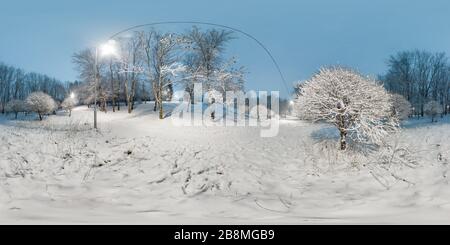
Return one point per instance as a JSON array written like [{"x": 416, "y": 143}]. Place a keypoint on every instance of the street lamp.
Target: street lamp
[
  {"x": 106, "y": 49},
  {"x": 72, "y": 95}
]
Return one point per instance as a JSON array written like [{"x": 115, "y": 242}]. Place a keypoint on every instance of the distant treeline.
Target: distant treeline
[
  {"x": 16, "y": 84},
  {"x": 421, "y": 77}
]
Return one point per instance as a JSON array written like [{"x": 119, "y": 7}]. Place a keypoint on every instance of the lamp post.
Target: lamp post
[
  {"x": 95, "y": 86},
  {"x": 106, "y": 49}
]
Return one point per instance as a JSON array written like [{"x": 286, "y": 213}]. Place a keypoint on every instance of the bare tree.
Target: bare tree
[
  {"x": 85, "y": 64},
  {"x": 432, "y": 109},
  {"x": 16, "y": 106},
  {"x": 114, "y": 79},
  {"x": 419, "y": 76},
  {"x": 401, "y": 108},
  {"x": 162, "y": 64},
  {"x": 6, "y": 77},
  {"x": 154, "y": 58},
  {"x": 206, "y": 55},
  {"x": 16, "y": 84},
  {"x": 147, "y": 45},
  {"x": 130, "y": 60}
]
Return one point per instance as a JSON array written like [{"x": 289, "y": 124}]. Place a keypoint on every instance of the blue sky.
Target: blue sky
[{"x": 302, "y": 35}]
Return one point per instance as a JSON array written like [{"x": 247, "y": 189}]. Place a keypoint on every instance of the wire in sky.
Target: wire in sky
[{"x": 217, "y": 25}]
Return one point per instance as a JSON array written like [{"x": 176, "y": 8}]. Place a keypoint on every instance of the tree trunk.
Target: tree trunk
[
  {"x": 160, "y": 102},
  {"x": 104, "y": 105},
  {"x": 125, "y": 90},
  {"x": 155, "y": 95},
  {"x": 130, "y": 105},
  {"x": 16, "y": 115},
  {"x": 342, "y": 129},
  {"x": 161, "y": 111},
  {"x": 113, "y": 94},
  {"x": 213, "y": 113},
  {"x": 343, "y": 139},
  {"x": 133, "y": 93},
  {"x": 40, "y": 116},
  {"x": 170, "y": 93},
  {"x": 113, "y": 102}
]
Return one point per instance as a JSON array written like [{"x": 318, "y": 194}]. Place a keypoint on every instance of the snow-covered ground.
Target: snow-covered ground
[{"x": 139, "y": 169}]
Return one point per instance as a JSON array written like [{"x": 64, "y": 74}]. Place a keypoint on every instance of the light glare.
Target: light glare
[{"x": 108, "y": 48}]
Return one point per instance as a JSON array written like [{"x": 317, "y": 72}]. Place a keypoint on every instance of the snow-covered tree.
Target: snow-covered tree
[
  {"x": 359, "y": 107},
  {"x": 225, "y": 79},
  {"x": 206, "y": 48},
  {"x": 41, "y": 103},
  {"x": 161, "y": 64},
  {"x": 68, "y": 104},
  {"x": 432, "y": 109},
  {"x": 400, "y": 106},
  {"x": 130, "y": 70},
  {"x": 16, "y": 106},
  {"x": 85, "y": 64},
  {"x": 228, "y": 78},
  {"x": 205, "y": 62}
]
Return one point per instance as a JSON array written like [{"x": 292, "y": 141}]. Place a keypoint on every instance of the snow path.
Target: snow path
[{"x": 138, "y": 169}]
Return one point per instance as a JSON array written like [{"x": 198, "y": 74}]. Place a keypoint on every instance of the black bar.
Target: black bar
[{"x": 266, "y": 234}]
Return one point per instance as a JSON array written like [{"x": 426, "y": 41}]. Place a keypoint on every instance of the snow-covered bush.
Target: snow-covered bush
[
  {"x": 41, "y": 103},
  {"x": 68, "y": 104},
  {"x": 358, "y": 106},
  {"x": 15, "y": 106},
  {"x": 432, "y": 109},
  {"x": 400, "y": 106}
]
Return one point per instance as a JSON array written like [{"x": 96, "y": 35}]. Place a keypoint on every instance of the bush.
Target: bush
[
  {"x": 68, "y": 104},
  {"x": 401, "y": 107},
  {"x": 16, "y": 106},
  {"x": 41, "y": 103}
]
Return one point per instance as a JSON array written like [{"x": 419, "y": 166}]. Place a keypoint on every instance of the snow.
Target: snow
[{"x": 141, "y": 170}]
